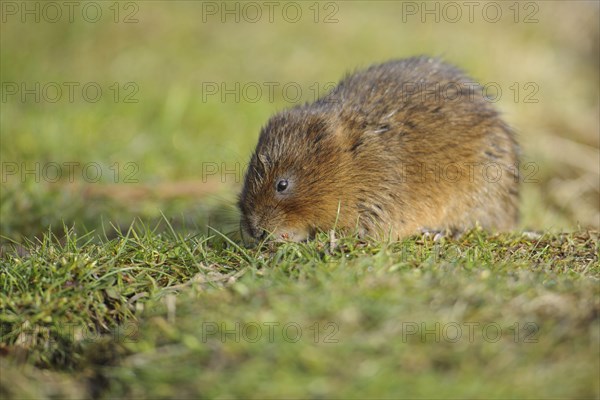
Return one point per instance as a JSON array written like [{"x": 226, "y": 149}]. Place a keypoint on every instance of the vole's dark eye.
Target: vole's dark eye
[{"x": 282, "y": 185}]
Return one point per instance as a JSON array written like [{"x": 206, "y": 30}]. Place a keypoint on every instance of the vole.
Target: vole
[{"x": 400, "y": 147}]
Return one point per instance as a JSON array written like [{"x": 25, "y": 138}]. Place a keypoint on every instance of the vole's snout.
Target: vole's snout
[
  {"x": 252, "y": 229},
  {"x": 259, "y": 234},
  {"x": 256, "y": 234}
]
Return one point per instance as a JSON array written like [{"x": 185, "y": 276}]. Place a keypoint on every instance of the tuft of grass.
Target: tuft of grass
[{"x": 76, "y": 283}]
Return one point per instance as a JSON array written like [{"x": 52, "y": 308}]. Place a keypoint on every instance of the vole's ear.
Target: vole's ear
[
  {"x": 264, "y": 160},
  {"x": 259, "y": 165},
  {"x": 317, "y": 128}
]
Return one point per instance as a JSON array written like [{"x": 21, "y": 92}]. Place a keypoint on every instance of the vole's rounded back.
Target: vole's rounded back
[{"x": 394, "y": 149}]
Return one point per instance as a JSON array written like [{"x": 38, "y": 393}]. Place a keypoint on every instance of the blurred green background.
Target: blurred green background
[{"x": 180, "y": 147}]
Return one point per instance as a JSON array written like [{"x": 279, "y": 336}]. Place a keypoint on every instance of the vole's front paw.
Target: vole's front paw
[
  {"x": 438, "y": 234},
  {"x": 435, "y": 234}
]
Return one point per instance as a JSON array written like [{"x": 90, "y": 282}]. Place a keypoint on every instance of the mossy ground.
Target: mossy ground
[{"x": 161, "y": 315}]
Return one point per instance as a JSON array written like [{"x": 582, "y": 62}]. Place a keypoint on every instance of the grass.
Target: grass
[
  {"x": 124, "y": 286},
  {"x": 162, "y": 315}
]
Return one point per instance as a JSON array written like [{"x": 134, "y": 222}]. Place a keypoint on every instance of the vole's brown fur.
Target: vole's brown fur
[{"x": 394, "y": 149}]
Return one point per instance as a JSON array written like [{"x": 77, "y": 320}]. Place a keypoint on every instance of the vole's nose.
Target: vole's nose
[
  {"x": 259, "y": 233},
  {"x": 256, "y": 230}
]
